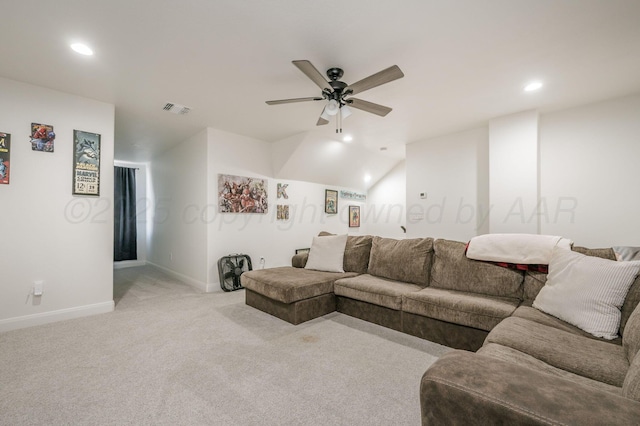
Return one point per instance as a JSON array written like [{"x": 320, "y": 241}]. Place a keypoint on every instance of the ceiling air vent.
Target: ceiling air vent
[{"x": 176, "y": 108}]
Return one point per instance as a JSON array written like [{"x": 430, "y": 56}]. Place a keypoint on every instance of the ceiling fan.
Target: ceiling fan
[{"x": 339, "y": 93}]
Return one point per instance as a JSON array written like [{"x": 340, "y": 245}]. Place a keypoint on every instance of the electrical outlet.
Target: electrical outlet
[{"x": 38, "y": 288}]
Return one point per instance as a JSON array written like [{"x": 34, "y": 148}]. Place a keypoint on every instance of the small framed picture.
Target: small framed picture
[
  {"x": 330, "y": 201},
  {"x": 5, "y": 160},
  {"x": 354, "y": 216},
  {"x": 42, "y": 137}
]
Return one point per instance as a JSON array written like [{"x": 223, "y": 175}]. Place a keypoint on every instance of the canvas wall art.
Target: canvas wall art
[{"x": 240, "y": 194}]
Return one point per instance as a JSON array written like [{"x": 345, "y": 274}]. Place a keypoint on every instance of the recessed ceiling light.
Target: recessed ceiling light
[
  {"x": 367, "y": 178},
  {"x": 82, "y": 49},
  {"x": 533, "y": 86},
  {"x": 347, "y": 138}
]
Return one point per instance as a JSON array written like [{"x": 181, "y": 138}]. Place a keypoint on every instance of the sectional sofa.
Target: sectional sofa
[{"x": 514, "y": 365}]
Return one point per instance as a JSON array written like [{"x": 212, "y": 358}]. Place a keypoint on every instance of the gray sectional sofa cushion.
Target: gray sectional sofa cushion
[
  {"x": 287, "y": 284},
  {"x": 532, "y": 314},
  {"x": 453, "y": 271},
  {"x": 406, "y": 261},
  {"x": 375, "y": 290},
  {"x": 597, "y": 360},
  {"x": 505, "y": 353},
  {"x": 457, "y": 307}
]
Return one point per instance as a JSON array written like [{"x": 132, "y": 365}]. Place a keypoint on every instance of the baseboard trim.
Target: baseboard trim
[
  {"x": 55, "y": 316},
  {"x": 128, "y": 264},
  {"x": 205, "y": 288}
]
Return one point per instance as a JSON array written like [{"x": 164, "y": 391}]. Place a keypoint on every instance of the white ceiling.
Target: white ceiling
[{"x": 465, "y": 61}]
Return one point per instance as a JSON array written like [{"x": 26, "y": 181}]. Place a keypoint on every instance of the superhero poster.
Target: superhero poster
[
  {"x": 238, "y": 194},
  {"x": 86, "y": 163},
  {"x": 42, "y": 137},
  {"x": 5, "y": 153}
]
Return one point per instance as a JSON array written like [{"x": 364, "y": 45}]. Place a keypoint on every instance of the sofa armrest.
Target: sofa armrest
[
  {"x": 299, "y": 260},
  {"x": 463, "y": 387}
]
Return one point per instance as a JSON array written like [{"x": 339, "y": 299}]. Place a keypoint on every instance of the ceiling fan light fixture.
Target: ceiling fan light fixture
[
  {"x": 324, "y": 114},
  {"x": 332, "y": 107},
  {"x": 345, "y": 111}
]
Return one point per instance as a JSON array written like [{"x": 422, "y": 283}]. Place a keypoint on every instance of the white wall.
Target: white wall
[
  {"x": 143, "y": 213},
  {"x": 385, "y": 210},
  {"x": 589, "y": 172},
  {"x": 452, "y": 171},
  {"x": 48, "y": 234},
  {"x": 178, "y": 184},
  {"x": 575, "y": 171},
  {"x": 513, "y": 172}
]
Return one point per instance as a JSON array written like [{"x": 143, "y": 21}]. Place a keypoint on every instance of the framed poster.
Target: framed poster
[
  {"x": 354, "y": 216},
  {"x": 42, "y": 137},
  {"x": 240, "y": 194},
  {"x": 330, "y": 201},
  {"x": 5, "y": 154},
  {"x": 86, "y": 163}
]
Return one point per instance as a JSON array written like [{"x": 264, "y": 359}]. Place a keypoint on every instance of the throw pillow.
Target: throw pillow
[
  {"x": 586, "y": 291},
  {"x": 327, "y": 253}
]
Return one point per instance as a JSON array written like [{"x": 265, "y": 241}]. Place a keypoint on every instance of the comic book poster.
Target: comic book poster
[
  {"x": 5, "y": 154},
  {"x": 42, "y": 137},
  {"x": 238, "y": 194},
  {"x": 86, "y": 163}
]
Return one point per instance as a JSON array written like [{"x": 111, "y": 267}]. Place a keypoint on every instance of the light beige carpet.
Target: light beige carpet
[{"x": 169, "y": 355}]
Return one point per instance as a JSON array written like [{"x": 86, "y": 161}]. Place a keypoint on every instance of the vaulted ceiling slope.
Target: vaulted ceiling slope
[{"x": 464, "y": 61}]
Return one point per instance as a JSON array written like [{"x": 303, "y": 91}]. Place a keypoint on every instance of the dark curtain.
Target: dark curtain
[{"x": 124, "y": 236}]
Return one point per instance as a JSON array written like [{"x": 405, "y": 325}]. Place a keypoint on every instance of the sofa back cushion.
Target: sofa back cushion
[
  {"x": 402, "y": 260},
  {"x": 452, "y": 270},
  {"x": 356, "y": 252}
]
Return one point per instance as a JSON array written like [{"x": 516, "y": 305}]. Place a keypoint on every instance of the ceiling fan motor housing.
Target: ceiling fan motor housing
[{"x": 334, "y": 73}]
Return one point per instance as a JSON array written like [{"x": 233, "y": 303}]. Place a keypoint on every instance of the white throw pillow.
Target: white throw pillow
[
  {"x": 327, "y": 253},
  {"x": 587, "y": 291}
]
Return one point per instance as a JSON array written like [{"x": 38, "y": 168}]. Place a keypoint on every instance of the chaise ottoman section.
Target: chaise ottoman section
[{"x": 292, "y": 294}]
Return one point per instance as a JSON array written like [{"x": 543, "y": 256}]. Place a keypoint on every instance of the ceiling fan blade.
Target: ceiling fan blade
[
  {"x": 289, "y": 101},
  {"x": 310, "y": 71},
  {"x": 375, "y": 80},
  {"x": 377, "y": 109}
]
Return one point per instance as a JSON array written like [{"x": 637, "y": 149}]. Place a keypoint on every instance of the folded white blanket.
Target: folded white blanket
[{"x": 525, "y": 249}]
